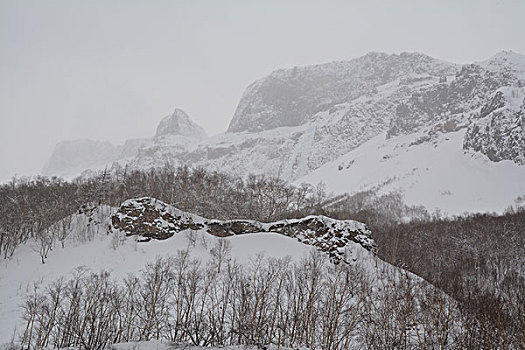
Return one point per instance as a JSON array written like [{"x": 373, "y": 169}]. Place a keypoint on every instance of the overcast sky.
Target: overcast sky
[{"x": 110, "y": 70}]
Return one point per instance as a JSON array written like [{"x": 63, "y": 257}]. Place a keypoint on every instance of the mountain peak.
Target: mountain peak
[
  {"x": 289, "y": 97},
  {"x": 507, "y": 61},
  {"x": 179, "y": 123},
  {"x": 507, "y": 54}
]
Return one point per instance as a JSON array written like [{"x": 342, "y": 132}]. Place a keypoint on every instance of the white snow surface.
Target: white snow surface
[
  {"x": 18, "y": 274},
  {"x": 437, "y": 174}
]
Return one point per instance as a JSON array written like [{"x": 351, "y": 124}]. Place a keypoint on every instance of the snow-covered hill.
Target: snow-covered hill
[
  {"x": 116, "y": 240},
  {"x": 120, "y": 269},
  {"x": 298, "y": 120}
]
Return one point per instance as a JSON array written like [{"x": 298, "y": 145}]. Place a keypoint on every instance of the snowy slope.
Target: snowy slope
[
  {"x": 17, "y": 275},
  {"x": 437, "y": 173},
  {"x": 91, "y": 246}
]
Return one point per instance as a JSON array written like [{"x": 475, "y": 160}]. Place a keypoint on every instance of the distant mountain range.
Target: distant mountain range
[{"x": 448, "y": 136}]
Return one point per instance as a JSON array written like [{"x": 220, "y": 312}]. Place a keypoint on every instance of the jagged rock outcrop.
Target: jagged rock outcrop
[
  {"x": 176, "y": 134},
  {"x": 499, "y": 133},
  {"x": 179, "y": 123},
  {"x": 150, "y": 218},
  {"x": 455, "y": 102},
  {"x": 486, "y": 98}
]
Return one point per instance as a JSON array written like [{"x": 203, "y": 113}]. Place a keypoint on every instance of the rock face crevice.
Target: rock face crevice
[
  {"x": 149, "y": 218},
  {"x": 499, "y": 133}
]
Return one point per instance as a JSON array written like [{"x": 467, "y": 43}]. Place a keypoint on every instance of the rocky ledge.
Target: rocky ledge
[{"x": 150, "y": 218}]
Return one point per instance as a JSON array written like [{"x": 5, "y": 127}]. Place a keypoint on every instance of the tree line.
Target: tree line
[{"x": 40, "y": 208}]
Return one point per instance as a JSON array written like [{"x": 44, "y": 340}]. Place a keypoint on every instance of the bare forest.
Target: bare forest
[{"x": 474, "y": 261}]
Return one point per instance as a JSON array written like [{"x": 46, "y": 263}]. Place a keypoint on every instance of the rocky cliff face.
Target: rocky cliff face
[
  {"x": 288, "y": 97},
  {"x": 486, "y": 98},
  {"x": 499, "y": 132},
  {"x": 179, "y": 123},
  {"x": 150, "y": 218}
]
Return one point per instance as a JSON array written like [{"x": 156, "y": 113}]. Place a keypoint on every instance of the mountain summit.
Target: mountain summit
[
  {"x": 287, "y": 97},
  {"x": 179, "y": 123}
]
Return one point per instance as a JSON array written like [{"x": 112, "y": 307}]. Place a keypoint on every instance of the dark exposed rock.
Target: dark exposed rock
[
  {"x": 328, "y": 234},
  {"x": 470, "y": 90},
  {"x": 233, "y": 227},
  {"x": 179, "y": 123},
  {"x": 149, "y": 218},
  {"x": 500, "y": 133}
]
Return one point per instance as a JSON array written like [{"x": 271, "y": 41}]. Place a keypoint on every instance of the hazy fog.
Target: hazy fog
[{"x": 110, "y": 70}]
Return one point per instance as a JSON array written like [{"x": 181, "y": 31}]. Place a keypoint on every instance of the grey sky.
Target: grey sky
[{"x": 110, "y": 70}]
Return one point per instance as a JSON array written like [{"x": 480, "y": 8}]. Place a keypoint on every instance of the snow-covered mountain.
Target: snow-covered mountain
[
  {"x": 288, "y": 97},
  {"x": 176, "y": 133},
  {"x": 297, "y": 121},
  {"x": 180, "y": 124}
]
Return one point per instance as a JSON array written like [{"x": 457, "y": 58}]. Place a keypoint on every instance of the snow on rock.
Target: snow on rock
[
  {"x": 329, "y": 235},
  {"x": 151, "y": 218},
  {"x": 509, "y": 61},
  {"x": 287, "y": 97},
  {"x": 500, "y": 133}
]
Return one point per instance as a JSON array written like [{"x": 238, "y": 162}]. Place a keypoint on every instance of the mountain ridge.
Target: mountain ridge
[{"x": 297, "y": 120}]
